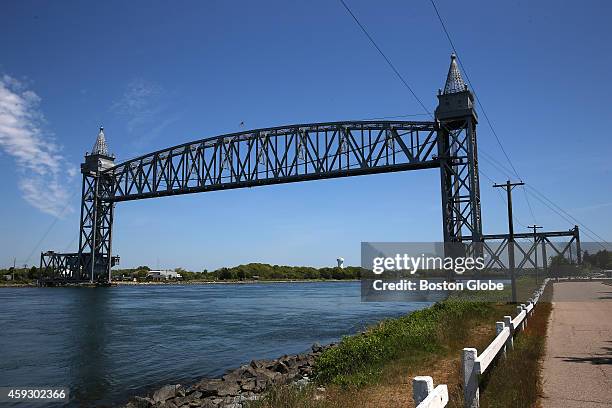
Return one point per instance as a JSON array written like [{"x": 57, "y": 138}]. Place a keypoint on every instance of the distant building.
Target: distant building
[
  {"x": 8, "y": 277},
  {"x": 340, "y": 263},
  {"x": 163, "y": 275}
]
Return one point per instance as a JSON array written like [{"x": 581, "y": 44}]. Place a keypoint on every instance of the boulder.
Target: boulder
[
  {"x": 208, "y": 387},
  {"x": 257, "y": 364},
  {"x": 280, "y": 367},
  {"x": 290, "y": 362},
  {"x": 227, "y": 388},
  {"x": 248, "y": 385},
  {"x": 264, "y": 378},
  {"x": 165, "y": 404},
  {"x": 178, "y": 401},
  {"x": 233, "y": 376},
  {"x": 142, "y": 402},
  {"x": 306, "y": 370},
  {"x": 164, "y": 393},
  {"x": 293, "y": 373}
]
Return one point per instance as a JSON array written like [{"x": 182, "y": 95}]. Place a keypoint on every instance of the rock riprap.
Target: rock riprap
[{"x": 232, "y": 390}]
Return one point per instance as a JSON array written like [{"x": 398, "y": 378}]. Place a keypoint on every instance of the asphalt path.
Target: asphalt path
[{"x": 578, "y": 364}]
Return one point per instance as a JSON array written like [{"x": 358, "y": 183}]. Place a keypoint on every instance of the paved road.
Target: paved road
[{"x": 578, "y": 364}]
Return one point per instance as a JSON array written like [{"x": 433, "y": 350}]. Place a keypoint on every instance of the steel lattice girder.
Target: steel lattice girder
[
  {"x": 528, "y": 249},
  {"x": 59, "y": 266},
  {"x": 95, "y": 241},
  {"x": 277, "y": 155},
  {"x": 461, "y": 214}
]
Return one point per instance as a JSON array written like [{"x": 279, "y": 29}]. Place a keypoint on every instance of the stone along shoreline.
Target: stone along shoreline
[{"x": 237, "y": 386}]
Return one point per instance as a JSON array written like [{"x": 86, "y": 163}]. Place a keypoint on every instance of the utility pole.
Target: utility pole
[
  {"x": 535, "y": 248},
  {"x": 508, "y": 186}
]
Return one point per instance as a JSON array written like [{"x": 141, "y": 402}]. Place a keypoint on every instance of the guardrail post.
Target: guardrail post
[
  {"x": 524, "y": 307},
  {"x": 421, "y": 387},
  {"x": 521, "y": 326},
  {"x": 508, "y": 323},
  {"x": 499, "y": 327},
  {"x": 471, "y": 393},
  {"x": 527, "y": 305}
]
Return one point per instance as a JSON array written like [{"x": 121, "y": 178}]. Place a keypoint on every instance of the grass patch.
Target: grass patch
[
  {"x": 375, "y": 369},
  {"x": 515, "y": 382},
  {"x": 358, "y": 360}
]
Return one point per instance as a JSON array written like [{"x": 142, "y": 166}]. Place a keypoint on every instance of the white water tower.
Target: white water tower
[{"x": 340, "y": 262}]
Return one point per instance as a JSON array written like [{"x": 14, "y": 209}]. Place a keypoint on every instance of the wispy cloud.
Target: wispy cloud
[
  {"x": 144, "y": 107},
  {"x": 139, "y": 104},
  {"x": 43, "y": 171},
  {"x": 593, "y": 207}
]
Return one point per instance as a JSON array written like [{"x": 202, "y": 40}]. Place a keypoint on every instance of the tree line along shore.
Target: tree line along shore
[
  {"x": 240, "y": 273},
  {"x": 601, "y": 260}
]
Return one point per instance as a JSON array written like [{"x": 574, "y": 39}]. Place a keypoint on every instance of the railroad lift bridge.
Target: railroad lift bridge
[{"x": 295, "y": 153}]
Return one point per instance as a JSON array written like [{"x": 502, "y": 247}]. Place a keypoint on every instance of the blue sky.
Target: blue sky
[{"x": 157, "y": 74}]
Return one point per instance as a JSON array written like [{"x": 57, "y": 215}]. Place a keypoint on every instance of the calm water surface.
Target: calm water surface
[{"x": 107, "y": 344}]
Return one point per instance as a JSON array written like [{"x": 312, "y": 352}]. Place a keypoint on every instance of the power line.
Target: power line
[
  {"x": 502, "y": 198},
  {"x": 401, "y": 78},
  {"x": 561, "y": 210},
  {"x": 405, "y": 83},
  {"x": 450, "y": 40},
  {"x": 55, "y": 220},
  {"x": 473, "y": 89},
  {"x": 564, "y": 217},
  {"x": 529, "y": 205}
]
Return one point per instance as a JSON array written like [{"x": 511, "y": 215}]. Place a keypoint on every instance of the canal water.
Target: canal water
[{"x": 107, "y": 344}]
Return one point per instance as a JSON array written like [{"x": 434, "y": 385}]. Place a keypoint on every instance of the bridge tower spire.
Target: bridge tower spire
[
  {"x": 456, "y": 121},
  {"x": 95, "y": 240},
  {"x": 100, "y": 146},
  {"x": 454, "y": 80}
]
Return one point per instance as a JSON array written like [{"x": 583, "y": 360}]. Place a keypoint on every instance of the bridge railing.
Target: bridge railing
[{"x": 474, "y": 365}]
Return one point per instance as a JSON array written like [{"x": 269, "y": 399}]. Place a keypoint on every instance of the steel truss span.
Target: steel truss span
[
  {"x": 276, "y": 155},
  {"x": 285, "y": 154}
]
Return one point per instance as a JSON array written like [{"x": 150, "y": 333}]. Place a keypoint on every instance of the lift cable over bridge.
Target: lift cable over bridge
[{"x": 288, "y": 154}]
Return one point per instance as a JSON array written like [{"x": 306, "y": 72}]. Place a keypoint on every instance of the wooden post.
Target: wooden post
[
  {"x": 422, "y": 386},
  {"x": 471, "y": 393},
  {"x": 508, "y": 323},
  {"x": 519, "y": 309},
  {"x": 499, "y": 327},
  {"x": 524, "y": 307}
]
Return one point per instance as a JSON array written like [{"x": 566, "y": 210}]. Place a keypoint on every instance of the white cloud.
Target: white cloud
[
  {"x": 140, "y": 103},
  {"x": 144, "y": 106},
  {"x": 43, "y": 170}
]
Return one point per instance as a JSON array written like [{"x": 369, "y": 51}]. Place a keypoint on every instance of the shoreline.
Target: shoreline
[
  {"x": 229, "y": 282},
  {"x": 237, "y": 386},
  {"x": 233, "y": 282}
]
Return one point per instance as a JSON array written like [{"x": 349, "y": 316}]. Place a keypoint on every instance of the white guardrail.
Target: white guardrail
[{"x": 474, "y": 365}]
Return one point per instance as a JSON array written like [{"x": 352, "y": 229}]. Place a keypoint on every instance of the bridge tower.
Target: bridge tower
[
  {"x": 95, "y": 239},
  {"x": 456, "y": 122}
]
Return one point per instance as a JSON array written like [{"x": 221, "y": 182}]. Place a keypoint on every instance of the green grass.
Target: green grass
[
  {"x": 358, "y": 360},
  {"x": 388, "y": 351}
]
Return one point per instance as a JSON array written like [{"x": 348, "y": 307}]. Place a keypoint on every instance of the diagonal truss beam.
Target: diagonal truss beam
[{"x": 276, "y": 155}]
